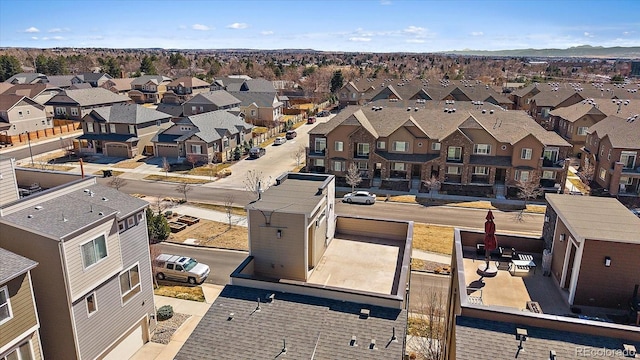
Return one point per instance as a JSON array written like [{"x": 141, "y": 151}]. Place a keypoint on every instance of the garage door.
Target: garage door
[
  {"x": 167, "y": 151},
  {"x": 117, "y": 150},
  {"x": 128, "y": 346}
]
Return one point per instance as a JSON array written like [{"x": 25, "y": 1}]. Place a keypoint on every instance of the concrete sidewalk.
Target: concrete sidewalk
[
  {"x": 207, "y": 214},
  {"x": 155, "y": 351}
]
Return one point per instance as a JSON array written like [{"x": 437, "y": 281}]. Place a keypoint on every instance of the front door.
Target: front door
[
  {"x": 415, "y": 171},
  {"x": 501, "y": 175}
]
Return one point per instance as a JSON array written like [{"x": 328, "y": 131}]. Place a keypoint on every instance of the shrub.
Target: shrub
[
  {"x": 168, "y": 213},
  {"x": 165, "y": 312}
]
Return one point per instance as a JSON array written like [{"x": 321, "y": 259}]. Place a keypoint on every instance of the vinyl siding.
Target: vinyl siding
[
  {"x": 8, "y": 186},
  {"x": 113, "y": 319},
  {"x": 22, "y": 308},
  {"x": 82, "y": 280},
  {"x": 48, "y": 281}
]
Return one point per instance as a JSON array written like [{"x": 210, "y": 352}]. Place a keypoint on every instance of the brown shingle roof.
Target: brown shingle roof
[{"x": 622, "y": 132}]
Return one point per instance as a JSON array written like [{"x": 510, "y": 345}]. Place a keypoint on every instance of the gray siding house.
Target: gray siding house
[
  {"x": 75, "y": 104},
  {"x": 210, "y": 101},
  {"x": 93, "y": 285}
]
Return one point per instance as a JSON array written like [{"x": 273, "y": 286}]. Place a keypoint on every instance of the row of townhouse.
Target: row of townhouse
[
  {"x": 92, "y": 284},
  {"x": 486, "y": 148}
]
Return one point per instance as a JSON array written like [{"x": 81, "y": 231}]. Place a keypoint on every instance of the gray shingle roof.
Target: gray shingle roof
[
  {"x": 312, "y": 328},
  {"x": 220, "y": 98},
  {"x": 65, "y": 214},
  {"x": 157, "y": 79},
  {"x": 61, "y": 80},
  {"x": 13, "y": 265},
  {"x": 93, "y": 77},
  {"x": 188, "y": 82},
  {"x": 261, "y": 99},
  {"x": 171, "y": 109},
  {"x": 420, "y": 158},
  {"x": 87, "y": 97},
  {"x": 27, "y": 78},
  {"x": 622, "y": 133},
  {"x": 487, "y": 339},
  {"x": 252, "y": 85},
  {"x": 553, "y": 98},
  {"x": 490, "y": 160},
  {"x": 127, "y": 114},
  {"x": 211, "y": 126}
]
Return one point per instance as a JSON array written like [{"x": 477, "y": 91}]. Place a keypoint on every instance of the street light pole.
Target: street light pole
[{"x": 30, "y": 152}]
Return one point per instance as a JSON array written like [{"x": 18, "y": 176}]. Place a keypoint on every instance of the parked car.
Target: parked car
[
  {"x": 311, "y": 120},
  {"x": 280, "y": 140},
  {"x": 256, "y": 152},
  {"x": 360, "y": 197},
  {"x": 180, "y": 268},
  {"x": 323, "y": 113},
  {"x": 291, "y": 134}
]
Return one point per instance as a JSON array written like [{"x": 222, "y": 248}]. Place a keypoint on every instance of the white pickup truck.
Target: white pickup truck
[{"x": 181, "y": 268}]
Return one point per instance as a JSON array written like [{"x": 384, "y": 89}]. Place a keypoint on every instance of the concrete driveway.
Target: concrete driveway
[{"x": 277, "y": 160}]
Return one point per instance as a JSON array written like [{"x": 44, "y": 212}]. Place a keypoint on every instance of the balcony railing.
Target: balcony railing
[
  {"x": 357, "y": 155},
  {"x": 454, "y": 160},
  {"x": 479, "y": 179},
  {"x": 454, "y": 179}
]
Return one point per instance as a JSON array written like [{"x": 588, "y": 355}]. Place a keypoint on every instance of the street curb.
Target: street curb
[{"x": 200, "y": 246}]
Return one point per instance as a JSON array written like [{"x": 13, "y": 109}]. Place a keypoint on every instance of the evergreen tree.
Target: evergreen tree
[
  {"x": 42, "y": 64},
  {"x": 337, "y": 81},
  {"x": 9, "y": 66},
  {"x": 147, "y": 67}
]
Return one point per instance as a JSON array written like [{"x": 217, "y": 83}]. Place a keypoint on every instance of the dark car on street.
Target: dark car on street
[{"x": 291, "y": 134}]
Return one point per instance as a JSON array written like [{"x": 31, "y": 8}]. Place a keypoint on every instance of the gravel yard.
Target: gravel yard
[{"x": 165, "y": 329}]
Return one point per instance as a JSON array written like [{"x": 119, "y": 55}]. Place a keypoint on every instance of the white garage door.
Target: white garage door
[
  {"x": 128, "y": 346},
  {"x": 167, "y": 151}
]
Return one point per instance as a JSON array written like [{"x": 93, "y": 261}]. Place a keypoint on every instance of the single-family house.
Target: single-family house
[
  {"x": 183, "y": 89},
  {"x": 210, "y": 101},
  {"x": 118, "y": 86},
  {"x": 76, "y": 104},
  {"x": 20, "y": 114},
  {"x": 148, "y": 88},
  {"x": 27, "y": 78}
]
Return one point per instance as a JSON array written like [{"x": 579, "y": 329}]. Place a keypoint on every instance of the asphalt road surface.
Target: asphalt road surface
[{"x": 37, "y": 148}]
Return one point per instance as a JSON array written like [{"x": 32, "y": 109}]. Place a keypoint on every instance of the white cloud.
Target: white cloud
[
  {"x": 32, "y": 30},
  {"x": 588, "y": 34},
  {"x": 415, "y": 30},
  {"x": 55, "y": 30},
  {"x": 200, "y": 27},
  {"x": 34, "y": 38},
  {"x": 477, "y": 33},
  {"x": 359, "y": 39},
  {"x": 238, "y": 26},
  {"x": 57, "y": 38},
  {"x": 415, "y": 41},
  {"x": 267, "y": 32}
]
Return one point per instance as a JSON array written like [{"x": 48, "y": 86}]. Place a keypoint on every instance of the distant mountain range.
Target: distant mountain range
[{"x": 584, "y": 51}]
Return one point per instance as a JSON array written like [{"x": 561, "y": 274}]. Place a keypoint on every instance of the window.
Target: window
[
  {"x": 482, "y": 149},
  {"x": 603, "y": 173},
  {"x": 548, "y": 174},
  {"x": 61, "y": 111},
  {"x": 454, "y": 153},
  {"x": 130, "y": 283},
  {"x": 140, "y": 217},
  {"x": 94, "y": 251},
  {"x": 319, "y": 162},
  {"x": 362, "y": 165},
  {"x": 626, "y": 180},
  {"x": 5, "y": 305},
  {"x": 526, "y": 154},
  {"x": 320, "y": 144},
  {"x": 185, "y": 128},
  {"x": 225, "y": 142},
  {"x": 20, "y": 114},
  {"x": 550, "y": 154},
  {"x": 193, "y": 109},
  {"x": 22, "y": 352},
  {"x": 435, "y": 146},
  {"x": 628, "y": 158},
  {"x": 201, "y": 108},
  {"x": 196, "y": 149},
  {"x": 381, "y": 144},
  {"x": 90, "y": 127},
  {"x": 338, "y": 166},
  {"x": 131, "y": 221},
  {"x": 132, "y": 129},
  {"x": 121, "y": 226},
  {"x": 399, "y": 167},
  {"x": 92, "y": 306},
  {"x": 480, "y": 170},
  {"x": 74, "y": 111},
  {"x": 401, "y": 146},
  {"x": 103, "y": 128},
  {"x": 454, "y": 170},
  {"x": 582, "y": 130},
  {"x": 112, "y": 128},
  {"x": 253, "y": 113},
  {"x": 522, "y": 176},
  {"x": 339, "y": 146},
  {"x": 363, "y": 149},
  {"x": 609, "y": 155}
]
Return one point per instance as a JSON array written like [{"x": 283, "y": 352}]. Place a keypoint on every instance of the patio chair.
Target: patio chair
[{"x": 507, "y": 253}]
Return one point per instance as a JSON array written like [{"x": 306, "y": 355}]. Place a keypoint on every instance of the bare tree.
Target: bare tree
[
  {"x": 228, "y": 207},
  {"x": 192, "y": 159},
  {"x": 299, "y": 154},
  {"x": 154, "y": 252},
  {"x": 529, "y": 188},
  {"x": 353, "y": 177},
  {"x": 184, "y": 187},
  {"x": 586, "y": 172},
  {"x": 427, "y": 325},
  {"x": 254, "y": 182},
  {"x": 166, "y": 166},
  {"x": 433, "y": 184},
  {"x": 117, "y": 182}
]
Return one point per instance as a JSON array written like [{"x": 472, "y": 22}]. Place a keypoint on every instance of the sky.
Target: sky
[{"x": 345, "y": 25}]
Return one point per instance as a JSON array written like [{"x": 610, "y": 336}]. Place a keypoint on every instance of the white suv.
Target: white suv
[
  {"x": 180, "y": 268},
  {"x": 280, "y": 140}
]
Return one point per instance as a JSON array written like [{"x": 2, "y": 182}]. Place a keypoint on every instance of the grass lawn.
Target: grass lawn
[
  {"x": 128, "y": 164},
  {"x": 176, "y": 179},
  {"x": 234, "y": 210},
  {"x": 215, "y": 234},
  {"x": 433, "y": 238},
  {"x": 409, "y": 199},
  {"x": 193, "y": 293},
  {"x": 206, "y": 170}
]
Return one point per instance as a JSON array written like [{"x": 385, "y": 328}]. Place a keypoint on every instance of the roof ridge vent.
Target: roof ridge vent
[{"x": 364, "y": 313}]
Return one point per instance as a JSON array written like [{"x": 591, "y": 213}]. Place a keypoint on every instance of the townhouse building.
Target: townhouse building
[
  {"x": 93, "y": 284},
  {"x": 19, "y": 323},
  {"x": 469, "y": 148},
  {"x": 76, "y": 104}
]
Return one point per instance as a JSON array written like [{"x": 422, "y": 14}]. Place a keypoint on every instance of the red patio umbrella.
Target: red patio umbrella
[{"x": 490, "y": 241}]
